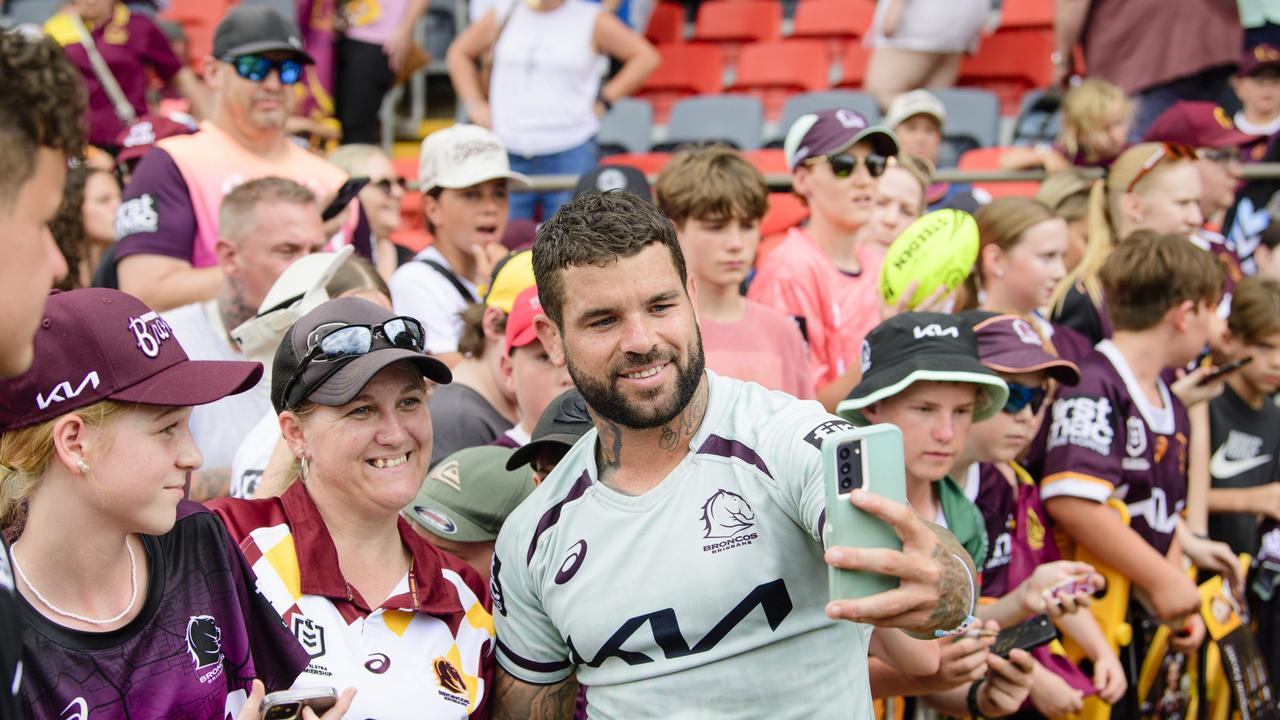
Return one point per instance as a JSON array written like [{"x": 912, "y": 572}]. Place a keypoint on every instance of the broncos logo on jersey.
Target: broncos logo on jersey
[
  {"x": 204, "y": 640},
  {"x": 725, "y": 515}
]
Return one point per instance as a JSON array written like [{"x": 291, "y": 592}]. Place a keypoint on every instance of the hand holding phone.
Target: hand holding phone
[
  {"x": 1226, "y": 369},
  {"x": 868, "y": 459},
  {"x": 1028, "y": 635}
]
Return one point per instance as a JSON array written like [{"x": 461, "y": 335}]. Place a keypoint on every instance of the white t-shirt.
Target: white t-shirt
[
  {"x": 1267, "y": 129},
  {"x": 701, "y": 598},
  {"x": 219, "y": 427},
  {"x": 253, "y": 455},
  {"x": 420, "y": 291}
]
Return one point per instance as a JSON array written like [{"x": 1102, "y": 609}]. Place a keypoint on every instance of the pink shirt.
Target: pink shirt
[
  {"x": 837, "y": 309},
  {"x": 374, "y": 21},
  {"x": 764, "y": 347}
]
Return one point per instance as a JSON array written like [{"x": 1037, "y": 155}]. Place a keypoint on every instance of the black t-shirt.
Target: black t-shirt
[
  {"x": 1245, "y": 444},
  {"x": 1079, "y": 313},
  {"x": 10, "y": 640},
  {"x": 463, "y": 419}
]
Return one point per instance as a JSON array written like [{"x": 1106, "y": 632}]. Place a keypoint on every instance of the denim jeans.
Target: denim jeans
[{"x": 574, "y": 161}]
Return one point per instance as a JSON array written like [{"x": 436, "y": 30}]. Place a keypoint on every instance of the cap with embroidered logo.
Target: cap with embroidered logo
[
  {"x": 1258, "y": 57},
  {"x": 916, "y": 347},
  {"x": 460, "y": 156},
  {"x": 828, "y": 132},
  {"x": 250, "y": 29},
  {"x": 97, "y": 344},
  {"x": 1197, "y": 123},
  {"x": 1010, "y": 344},
  {"x": 469, "y": 494}
]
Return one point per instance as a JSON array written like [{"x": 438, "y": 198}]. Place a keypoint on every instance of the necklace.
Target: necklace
[{"x": 133, "y": 596}]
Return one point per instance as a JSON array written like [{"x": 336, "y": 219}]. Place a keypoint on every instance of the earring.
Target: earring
[
  {"x": 1137, "y": 218},
  {"x": 82, "y": 466},
  {"x": 304, "y": 466},
  {"x": 999, "y": 272}
]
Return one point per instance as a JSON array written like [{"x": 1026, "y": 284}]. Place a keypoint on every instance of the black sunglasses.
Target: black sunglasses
[
  {"x": 1021, "y": 396},
  {"x": 349, "y": 341},
  {"x": 385, "y": 184},
  {"x": 258, "y": 67},
  {"x": 844, "y": 164}
]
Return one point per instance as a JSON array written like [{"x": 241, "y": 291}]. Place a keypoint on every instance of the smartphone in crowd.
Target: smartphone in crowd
[
  {"x": 1027, "y": 635},
  {"x": 1226, "y": 369},
  {"x": 288, "y": 704},
  {"x": 343, "y": 198},
  {"x": 870, "y": 459}
]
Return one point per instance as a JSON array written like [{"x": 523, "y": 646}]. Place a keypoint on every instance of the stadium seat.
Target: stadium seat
[
  {"x": 737, "y": 120},
  {"x": 860, "y": 102},
  {"x": 1039, "y": 118},
  {"x": 1026, "y": 14},
  {"x": 650, "y": 163},
  {"x": 628, "y": 127},
  {"x": 785, "y": 212},
  {"x": 835, "y": 22},
  {"x": 774, "y": 70},
  {"x": 730, "y": 25},
  {"x": 988, "y": 158},
  {"x": 666, "y": 24},
  {"x": 1009, "y": 64},
  {"x": 686, "y": 70},
  {"x": 972, "y": 113},
  {"x": 853, "y": 67}
]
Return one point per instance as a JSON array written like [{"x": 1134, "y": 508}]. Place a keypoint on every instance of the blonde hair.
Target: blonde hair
[
  {"x": 27, "y": 453},
  {"x": 1084, "y": 108},
  {"x": 1067, "y": 194},
  {"x": 920, "y": 169},
  {"x": 1106, "y": 199},
  {"x": 1002, "y": 223}
]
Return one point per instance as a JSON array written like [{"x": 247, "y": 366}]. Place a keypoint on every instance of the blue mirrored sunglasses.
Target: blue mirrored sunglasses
[
  {"x": 258, "y": 67},
  {"x": 1021, "y": 396}
]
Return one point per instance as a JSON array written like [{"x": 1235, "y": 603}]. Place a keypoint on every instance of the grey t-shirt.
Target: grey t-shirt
[{"x": 462, "y": 418}]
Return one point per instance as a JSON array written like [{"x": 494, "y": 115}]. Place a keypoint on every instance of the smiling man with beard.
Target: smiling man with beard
[{"x": 628, "y": 583}]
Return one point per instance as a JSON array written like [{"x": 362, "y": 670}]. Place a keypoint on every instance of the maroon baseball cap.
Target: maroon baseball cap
[
  {"x": 1010, "y": 344},
  {"x": 520, "y": 328},
  {"x": 97, "y": 344},
  {"x": 1199, "y": 124},
  {"x": 831, "y": 131},
  {"x": 137, "y": 139},
  {"x": 1262, "y": 55}
]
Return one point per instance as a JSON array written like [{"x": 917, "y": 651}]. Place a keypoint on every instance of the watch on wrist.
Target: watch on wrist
[{"x": 974, "y": 711}]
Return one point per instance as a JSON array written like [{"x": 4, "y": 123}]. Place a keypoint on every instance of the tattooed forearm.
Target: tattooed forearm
[
  {"x": 210, "y": 484},
  {"x": 954, "y": 587},
  {"x": 516, "y": 700}
]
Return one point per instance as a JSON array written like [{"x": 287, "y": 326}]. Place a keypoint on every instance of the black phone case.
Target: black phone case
[{"x": 1028, "y": 635}]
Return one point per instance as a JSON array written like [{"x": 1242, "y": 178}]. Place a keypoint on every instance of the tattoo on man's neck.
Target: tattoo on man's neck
[
  {"x": 608, "y": 449},
  {"x": 684, "y": 426},
  {"x": 232, "y": 308}
]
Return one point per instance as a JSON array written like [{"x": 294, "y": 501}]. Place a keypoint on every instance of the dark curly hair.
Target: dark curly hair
[
  {"x": 42, "y": 104},
  {"x": 67, "y": 226}
]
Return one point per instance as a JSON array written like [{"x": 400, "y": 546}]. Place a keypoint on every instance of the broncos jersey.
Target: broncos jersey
[
  {"x": 701, "y": 598},
  {"x": 202, "y": 636}
]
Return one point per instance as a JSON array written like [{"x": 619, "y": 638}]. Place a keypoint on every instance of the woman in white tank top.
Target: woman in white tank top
[{"x": 545, "y": 96}]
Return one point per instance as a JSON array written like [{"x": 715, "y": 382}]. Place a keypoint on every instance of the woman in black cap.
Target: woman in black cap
[
  {"x": 375, "y": 605},
  {"x": 135, "y": 602}
]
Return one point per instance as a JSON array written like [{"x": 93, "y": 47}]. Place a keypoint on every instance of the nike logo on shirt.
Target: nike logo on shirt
[{"x": 1220, "y": 466}]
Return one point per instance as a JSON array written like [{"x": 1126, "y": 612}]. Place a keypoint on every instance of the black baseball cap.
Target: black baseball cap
[
  {"x": 922, "y": 346},
  {"x": 614, "y": 177},
  {"x": 564, "y": 421},
  {"x": 248, "y": 29},
  {"x": 318, "y": 382}
]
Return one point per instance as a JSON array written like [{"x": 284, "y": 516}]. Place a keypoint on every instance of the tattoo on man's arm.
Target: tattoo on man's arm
[
  {"x": 954, "y": 585},
  {"x": 517, "y": 700},
  {"x": 210, "y": 484}
]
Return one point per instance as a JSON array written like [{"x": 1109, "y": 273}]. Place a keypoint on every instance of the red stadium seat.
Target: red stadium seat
[
  {"x": 650, "y": 163},
  {"x": 853, "y": 68},
  {"x": 836, "y": 22},
  {"x": 686, "y": 70},
  {"x": 774, "y": 70},
  {"x": 1026, "y": 14},
  {"x": 769, "y": 161},
  {"x": 730, "y": 25},
  {"x": 1010, "y": 63},
  {"x": 666, "y": 24},
  {"x": 785, "y": 212},
  {"x": 989, "y": 159}
]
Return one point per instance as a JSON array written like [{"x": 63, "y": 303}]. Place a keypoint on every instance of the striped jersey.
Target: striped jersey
[
  {"x": 426, "y": 652},
  {"x": 703, "y": 597}
]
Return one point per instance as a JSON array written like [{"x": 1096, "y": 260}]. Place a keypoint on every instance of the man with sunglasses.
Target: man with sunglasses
[
  {"x": 167, "y": 226},
  {"x": 820, "y": 274}
]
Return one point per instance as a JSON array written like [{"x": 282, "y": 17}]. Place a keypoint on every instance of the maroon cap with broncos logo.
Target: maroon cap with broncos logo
[{"x": 97, "y": 344}]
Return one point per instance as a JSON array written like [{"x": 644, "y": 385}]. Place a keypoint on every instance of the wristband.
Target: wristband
[
  {"x": 973, "y": 604},
  {"x": 972, "y": 700}
]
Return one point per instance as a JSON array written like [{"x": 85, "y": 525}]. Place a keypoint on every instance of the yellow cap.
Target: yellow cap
[{"x": 511, "y": 276}]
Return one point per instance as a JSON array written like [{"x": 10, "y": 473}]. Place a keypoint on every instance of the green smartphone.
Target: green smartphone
[{"x": 867, "y": 458}]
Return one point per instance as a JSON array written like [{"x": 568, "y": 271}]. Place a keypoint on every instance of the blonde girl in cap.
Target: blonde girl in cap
[{"x": 136, "y": 602}]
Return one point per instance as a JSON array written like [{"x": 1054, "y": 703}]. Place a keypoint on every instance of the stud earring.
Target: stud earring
[
  {"x": 82, "y": 466},
  {"x": 999, "y": 272}
]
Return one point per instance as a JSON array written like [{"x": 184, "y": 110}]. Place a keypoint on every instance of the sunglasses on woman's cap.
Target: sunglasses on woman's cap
[
  {"x": 846, "y": 164},
  {"x": 1020, "y": 396},
  {"x": 258, "y": 67},
  {"x": 331, "y": 343}
]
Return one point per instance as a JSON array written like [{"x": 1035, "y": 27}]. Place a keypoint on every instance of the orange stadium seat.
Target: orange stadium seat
[
  {"x": 1010, "y": 63},
  {"x": 1032, "y": 14},
  {"x": 686, "y": 70},
  {"x": 853, "y": 68},
  {"x": 730, "y": 25},
  {"x": 988, "y": 158},
  {"x": 774, "y": 70},
  {"x": 769, "y": 161},
  {"x": 666, "y": 24},
  {"x": 198, "y": 18},
  {"x": 785, "y": 212},
  {"x": 836, "y": 22}
]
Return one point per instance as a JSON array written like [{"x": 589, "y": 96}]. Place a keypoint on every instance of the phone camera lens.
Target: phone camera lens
[
  {"x": 845, "y": 468},
  {"x": 844, "y": 453}
]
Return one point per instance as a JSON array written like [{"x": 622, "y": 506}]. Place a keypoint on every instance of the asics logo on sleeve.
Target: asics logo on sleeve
[{"x": 1239, "y": 454}]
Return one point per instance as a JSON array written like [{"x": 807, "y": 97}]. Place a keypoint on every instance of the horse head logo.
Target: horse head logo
[
  {"x": 204, "y": 640},
  {"x": 449, "y": 677},
  {"x": 725, "y": 515}
]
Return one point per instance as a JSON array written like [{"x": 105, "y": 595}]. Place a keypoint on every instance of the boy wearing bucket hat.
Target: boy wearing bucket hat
[{"x": 821, "y": 274}]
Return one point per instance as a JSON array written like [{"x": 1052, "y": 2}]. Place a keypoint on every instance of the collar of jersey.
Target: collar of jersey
[{"x": 320, "y": 574}]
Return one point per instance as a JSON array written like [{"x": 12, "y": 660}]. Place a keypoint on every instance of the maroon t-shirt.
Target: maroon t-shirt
[
  {"x": 1106, "y": 440},
  {"x": 1017, "y": 528},
  {"x": 133, "y": 48}
]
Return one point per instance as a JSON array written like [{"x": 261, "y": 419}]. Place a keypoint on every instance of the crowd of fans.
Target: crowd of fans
[{"x": 252, "y": 445}]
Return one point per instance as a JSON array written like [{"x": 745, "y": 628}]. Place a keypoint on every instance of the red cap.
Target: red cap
[
  {"x": 1262, "y": 55},
  {"x": 137, "y": 139},
  {"x": 520, "y": 331},
  {"x": 97, "y": 344},
  {"x": 1199, "y": 124}
]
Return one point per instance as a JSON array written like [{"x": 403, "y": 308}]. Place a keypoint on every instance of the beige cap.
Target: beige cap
[
  {"x": 464, "y": 155},
  {"x": 916, "y": 102}
]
